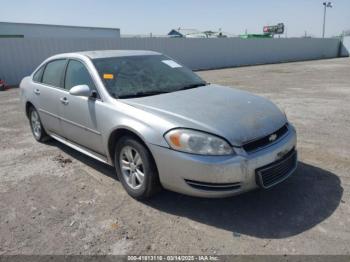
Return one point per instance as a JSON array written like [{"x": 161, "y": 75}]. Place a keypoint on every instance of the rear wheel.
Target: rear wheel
[
  {"x": 36, "y": 126},
  {"x": 135, "y": 168}
]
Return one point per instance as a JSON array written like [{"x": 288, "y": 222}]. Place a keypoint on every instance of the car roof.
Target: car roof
[{"x": 115, "y": 53}]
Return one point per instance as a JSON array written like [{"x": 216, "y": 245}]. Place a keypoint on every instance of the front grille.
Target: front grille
[
  {"x": 264, "y": 141},
  {"x": 272, "y": 174},
  {"x": 213, "y": 186}
]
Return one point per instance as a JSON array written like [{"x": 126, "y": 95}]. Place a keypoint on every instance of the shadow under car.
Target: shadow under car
[{"x": 299, "y": 203}]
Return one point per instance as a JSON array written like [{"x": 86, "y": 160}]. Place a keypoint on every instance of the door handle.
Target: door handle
[
  {"x": 64, "y": 100},
  {"x": 36, "y": 91}
]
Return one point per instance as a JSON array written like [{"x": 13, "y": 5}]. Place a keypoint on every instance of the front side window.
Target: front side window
[
  {"x": 77, "y": 74},
  {"x": 134, "y": 76},
  {"x": 53, "y": 73}
]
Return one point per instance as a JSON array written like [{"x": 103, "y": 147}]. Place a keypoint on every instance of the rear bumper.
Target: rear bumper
[{"x": 219, "y": 176}]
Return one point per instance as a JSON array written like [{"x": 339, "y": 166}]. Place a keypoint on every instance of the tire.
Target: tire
[
  {"x": 145, "y": 186},
  {"x": 36, "y": 126}
]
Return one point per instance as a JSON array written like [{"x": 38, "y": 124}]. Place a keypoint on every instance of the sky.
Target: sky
[{"x": 160, "y": 16}]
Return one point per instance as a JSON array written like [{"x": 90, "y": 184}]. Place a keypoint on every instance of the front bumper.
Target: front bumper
[{"x": 218, "y": 176}]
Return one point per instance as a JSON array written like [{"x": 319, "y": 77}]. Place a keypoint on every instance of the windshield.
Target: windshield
[{"x": 134, "y": 76}]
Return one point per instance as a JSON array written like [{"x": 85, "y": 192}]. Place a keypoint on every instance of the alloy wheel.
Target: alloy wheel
[
  {"x": 132, "y": 167},
  {"x": 36, "y": 125}
]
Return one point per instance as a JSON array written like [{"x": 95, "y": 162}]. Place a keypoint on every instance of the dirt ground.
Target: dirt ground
[{"x": 54, "y": 200}]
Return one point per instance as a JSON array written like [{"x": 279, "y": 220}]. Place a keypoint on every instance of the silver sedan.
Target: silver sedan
[{"x": 159, "y": 124}]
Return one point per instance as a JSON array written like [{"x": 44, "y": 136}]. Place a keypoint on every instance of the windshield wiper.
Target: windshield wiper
[
  {"x": 140, "y": 94},
  {"x": 152, "y": 93},
  {"x": 192, "y": 86}
]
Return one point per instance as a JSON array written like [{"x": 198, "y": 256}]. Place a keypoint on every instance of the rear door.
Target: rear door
[
  {"x": 79, "y": 114},
  {"x": 49, "y": 88}
]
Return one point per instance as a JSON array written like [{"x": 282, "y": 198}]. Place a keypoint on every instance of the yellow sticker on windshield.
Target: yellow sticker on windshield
[{"x": 108, "y": 76}]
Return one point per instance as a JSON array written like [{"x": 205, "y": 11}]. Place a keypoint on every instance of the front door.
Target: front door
[{"x": 79, "y": 118}]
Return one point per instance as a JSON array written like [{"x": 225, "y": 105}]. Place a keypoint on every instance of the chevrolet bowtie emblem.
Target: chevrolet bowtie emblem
[{"x": 273, "y": 137}]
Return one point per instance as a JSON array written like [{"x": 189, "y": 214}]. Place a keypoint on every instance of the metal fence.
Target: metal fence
[
  {"x": 345, "y": 48},
  {"x": 19, "y": 57}
]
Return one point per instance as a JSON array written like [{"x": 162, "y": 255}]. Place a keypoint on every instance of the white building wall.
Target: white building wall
[{"x": 38, "y": 30}]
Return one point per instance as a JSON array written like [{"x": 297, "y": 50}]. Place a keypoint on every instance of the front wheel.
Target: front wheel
[{"x": 135, "y": 168}]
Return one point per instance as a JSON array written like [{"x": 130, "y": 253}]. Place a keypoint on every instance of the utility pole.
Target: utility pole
[{"x": 326, "y": 5}]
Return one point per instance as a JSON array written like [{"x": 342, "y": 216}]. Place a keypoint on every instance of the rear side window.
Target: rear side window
[
  {"x": 77, "y": 74},
  {"x": 38, "y": 74},
  {"x": 53, "y": 73}
]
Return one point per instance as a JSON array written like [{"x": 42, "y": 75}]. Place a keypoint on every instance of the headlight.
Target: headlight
[{"x": 196, "y": 142}]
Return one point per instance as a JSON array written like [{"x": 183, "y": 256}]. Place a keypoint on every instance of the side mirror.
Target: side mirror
[{"x": 80, "y": 90}]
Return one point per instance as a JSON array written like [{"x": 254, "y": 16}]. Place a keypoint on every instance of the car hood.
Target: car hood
[{"x": 233, "y": 114}]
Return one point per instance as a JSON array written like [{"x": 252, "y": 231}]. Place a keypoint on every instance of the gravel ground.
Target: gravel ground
[{"x": 55, "y": 200}]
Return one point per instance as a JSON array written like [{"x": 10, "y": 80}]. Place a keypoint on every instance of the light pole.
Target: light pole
[{"x": 326, "y": 5}]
